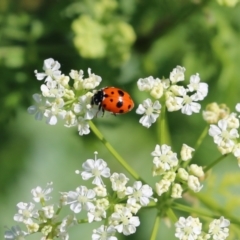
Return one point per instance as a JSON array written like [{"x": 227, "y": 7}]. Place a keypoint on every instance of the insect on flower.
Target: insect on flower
[{"x": 113, "y": 100}]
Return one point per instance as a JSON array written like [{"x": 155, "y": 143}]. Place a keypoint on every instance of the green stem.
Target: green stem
[
  {"x": 192, "y": 210},
  {"x": 162, "y": 126},
  {"x": 171, "y": 215},
  {"x": 211, "y": 205},
  {"x": 206, "y": 168},
  {"x": 114, "y": 152},
  {"x": 163, "y": 129},
  {"x": 155, "y": 228},
  {"x": 214, "y": 207},
  {"x": 202, "y": 136}
]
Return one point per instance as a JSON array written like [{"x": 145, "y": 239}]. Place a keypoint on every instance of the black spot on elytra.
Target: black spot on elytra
[
  {"x": 111, "y": 100},
  {"x": 129, "y": 106},
  {"x": 121, "y": 111},
  {"x": 121, "y": 93},
  {"x": 119, "y": 104}
]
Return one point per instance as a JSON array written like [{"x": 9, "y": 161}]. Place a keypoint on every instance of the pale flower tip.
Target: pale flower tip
[
  {"x": 95, "y": 153},
  {"x": 237, "y": 107},
  {"x": 155, "y": 199},
  {"x": 77, "y": 172}
]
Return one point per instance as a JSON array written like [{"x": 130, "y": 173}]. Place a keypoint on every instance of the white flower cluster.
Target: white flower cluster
[
  {"x": 191, "y": 228},
  {"x": 61, "y": 100},
  {"x": 174, "y": 177},
  {"x": 225, "y": 132},
  {"x": 176, "y": 97},
  {"x": 117, "y": 207}
]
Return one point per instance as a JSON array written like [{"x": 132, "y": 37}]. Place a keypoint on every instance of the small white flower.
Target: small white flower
[
  {"x": 124, "y": 222},
  {"x": 78, "y": 79},
  {"x": 169, "y": 176},
  {"x": 92, "y": 81},
  {"x": 162, "y": 186},
  {"x": 81, "y": 199},
  {"x": 200, "y": 88},
  {"x": 52, "y": 89},
  {"x": 32, "y": 228},
  {"x": 76, "y": 75},
  {"x": 95, "y": 168},
  {"x": 119, "y": 181},
  {"x": 51, "y": 70},
  {"x": 70, "y": 119},
  {"x": 69, "y": 94},
  {"x": 194, "y": 184},
  {"x": 176, "y": 90},
  {"x": 196, "y": 170},
  {"x": 214, "y": 112},
  {"x": 40, "y": 194},
  {"x": 188, "y": 228},
  {"x": 84, "y": 107},
  {"x": 225, "y": 149},
  {"x": 100, "y": 191},
  {"x": 177, "y": 74},
  {"x": 40, "y": 107},
  {"x": 218, "y": 228},
  {"x": 157, "y": 90},
  {"x": 237, "y": 107},
  {"x": 102, "y": 203},
  {"x": 176, "y": 191},
  {"x": 55, "y": 112},
  {"x": 173, "y": 103},
  {"x": 25, "y": 213},
  {"x": 63, "y": 80},
  {"x": 189, "y": 106},
  {"x": 236, "y": 150},
  {"x": 83, "y": 126},
  {"x": 104, "y": 233},
  {"x": 164, "y": 157},
  {"x": 223, "y": 136},
  {"x": 183, "y": 174},
  {"x": 134, "y": 206},
  {"x": 140, "y": 193},
  {"x": 150, "y": 111},
  {"x": 96, "y": 214},
  {"x": 145, "y": 84},
  {"x": 186, "y": 152},
  {"x": 232, "y": 120},
  {"x": 15, "y": 233},
  {"x": 46, "y": 230},
  {"x": 157, "y": 171},
  {"x": 68, "y": 221},
  {"x": 48, "y": 211}
]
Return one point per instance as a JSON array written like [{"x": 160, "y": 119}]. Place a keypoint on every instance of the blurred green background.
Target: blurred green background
[{"x": 121, "y": 41}]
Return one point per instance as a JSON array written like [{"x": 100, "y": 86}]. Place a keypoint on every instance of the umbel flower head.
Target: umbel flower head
[
  {"x": 60, "y": 100},
  {"x": 191, "y": 228},
  {"x": 224, "y": 128},
  {"x": 176, "y": 97},
  {"x": 116, "y": 206},
  {"x": 174, "y": 177}
]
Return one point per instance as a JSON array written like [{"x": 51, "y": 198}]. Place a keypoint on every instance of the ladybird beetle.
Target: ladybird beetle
[{"x": 113, "y": 100}]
